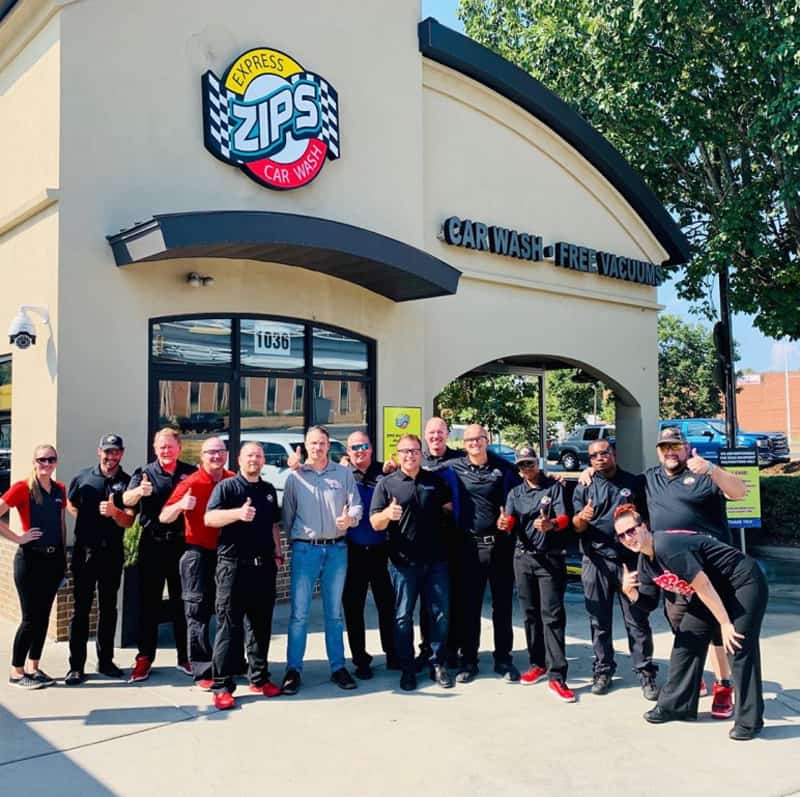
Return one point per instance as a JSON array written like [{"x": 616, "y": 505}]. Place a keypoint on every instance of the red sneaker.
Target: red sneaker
[
  {"x": 533, "y": 675},
  {"x": 268, "y": 689},
  {"x": 141, "y": 669},
  {"x": 560, "y": 690},
  {"x": 224, "y": 700},
  {"x": 722, "y": 702},
  {"x": 703, "y": 688},
  {"x": 205, "y": 684},
  {"x": 184, "y": 667}
]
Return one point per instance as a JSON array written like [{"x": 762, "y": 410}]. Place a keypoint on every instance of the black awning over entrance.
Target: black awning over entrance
[{"x": 384, "y": 265}]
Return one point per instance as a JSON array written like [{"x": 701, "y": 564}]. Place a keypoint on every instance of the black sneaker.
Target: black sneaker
[
  {"x": 343, "y": 679},
  {"x": 649, "y": 688},
  {"x": 509, "y": 672},
  {"x": 467, "y": 673},
  {"x": 74, "y": 678},
  {"x": 291, "y": 682},
  {"x": 408, "y": 681},
  {"x": 364, "y": 672},
  {"x": 601, "y": 683},
  {"x": 440, "y": 675},
  {"x": 41, "y": 677},
  {"x": 24, "y": 682},
  {"x": 110, "y": 669}
]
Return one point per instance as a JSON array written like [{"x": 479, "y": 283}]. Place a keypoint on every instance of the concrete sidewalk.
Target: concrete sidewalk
[{"x": 487, "y": 737}]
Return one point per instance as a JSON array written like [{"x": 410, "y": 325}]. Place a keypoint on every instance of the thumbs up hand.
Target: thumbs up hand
[
  {"x": 696, "y": 464},
  {"x": 247, "y": 511},
  {"x": 503, "y": 522},
  {"x": 343, "y": 522},
  {"x": 188, "y": 502},
  {"x": 587, "y": 513},
  {"x": 394, "y": 511},
  {"x": 145, "y": 487},
  {"x": 295, "y": 460},
  {"x": 107, "y": 508}
]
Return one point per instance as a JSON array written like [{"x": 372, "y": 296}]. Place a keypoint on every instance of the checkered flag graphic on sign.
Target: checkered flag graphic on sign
[
  {"x": 329, "y": 110},
  {"x": 216, "y": 124}
]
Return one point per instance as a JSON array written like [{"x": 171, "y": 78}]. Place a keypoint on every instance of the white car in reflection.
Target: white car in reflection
[{"x": 278, "y": 446}]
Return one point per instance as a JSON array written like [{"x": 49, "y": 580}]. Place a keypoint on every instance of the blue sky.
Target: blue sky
[{"x": 757, "y": 351}]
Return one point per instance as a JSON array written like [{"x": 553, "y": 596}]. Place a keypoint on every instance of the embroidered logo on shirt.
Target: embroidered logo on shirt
[
  {"x": 689, "y": 480},
  {"x": 672, "y": 583},
  {"x": 269, "y": 498},
  {"x": 334, "y": 484}
]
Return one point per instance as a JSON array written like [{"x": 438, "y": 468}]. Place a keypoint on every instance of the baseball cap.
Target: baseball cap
[
  {"x": 111, "y": 441},
  {"x": 526, "y": 454},
  {"x": 670, "y": 434}
]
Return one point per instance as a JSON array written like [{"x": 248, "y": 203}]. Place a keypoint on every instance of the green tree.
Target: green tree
[
  {"x": 686, "y": 359},
  {"x": 701, "y": 97},
  {"x": 569, "y": 402}
]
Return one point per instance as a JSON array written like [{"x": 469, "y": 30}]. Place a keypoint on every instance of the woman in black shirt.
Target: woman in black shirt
[{"x": 724, "y": 587}]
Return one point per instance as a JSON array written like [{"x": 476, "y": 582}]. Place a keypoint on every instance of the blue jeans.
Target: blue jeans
[
  {"x": 329, "y": 564},
  {"x": 431, "y": 583}
]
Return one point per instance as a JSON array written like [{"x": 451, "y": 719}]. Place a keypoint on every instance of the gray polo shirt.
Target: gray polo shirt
[{"x": 312, "y": 500}]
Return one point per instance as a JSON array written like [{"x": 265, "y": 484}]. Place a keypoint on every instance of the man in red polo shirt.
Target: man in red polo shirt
[{"x": 199, "y": 562}]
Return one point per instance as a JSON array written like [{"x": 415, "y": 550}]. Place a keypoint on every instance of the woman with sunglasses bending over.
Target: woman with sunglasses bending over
[
  {"x": 39, "y": 564},
  {"x": 724, "y": 587}
]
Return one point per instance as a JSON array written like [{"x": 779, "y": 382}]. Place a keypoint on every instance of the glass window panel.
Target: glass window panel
[
  {"x": 199, "y": 409},
  {"x": 337, "y": 352},
  {"x": 340, "y": 417},
  {"x": 269, "y": 404},
  {"x": 198, "y": 341},
  {"x": 272, "y": 344}
]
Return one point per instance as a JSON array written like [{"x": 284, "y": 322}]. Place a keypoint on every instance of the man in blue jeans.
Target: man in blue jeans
[
  {"x": 320, "y": 503},
  {"x": 409, "y": 505}
]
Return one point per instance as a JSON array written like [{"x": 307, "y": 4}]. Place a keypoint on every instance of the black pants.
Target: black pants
[
  {"x": 244, "y": 590},
  {"x": 602, "y": 581},
  {"x": 159, "y": 564},
  {"x": 492, "y": 563},
  {"x": 36, "y": 576},
  {"x": 675, "y": 607},
  {"x": 367, "y": 566},
  {"x": 746, "y": 609},
  {"x": 93, "y": 568},
  {"x": 541, "y": 584},
  {"x": 198, "y": 567}
]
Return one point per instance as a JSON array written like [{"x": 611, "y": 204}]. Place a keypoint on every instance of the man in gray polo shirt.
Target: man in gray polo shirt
[{"x": 320, "y": 503}]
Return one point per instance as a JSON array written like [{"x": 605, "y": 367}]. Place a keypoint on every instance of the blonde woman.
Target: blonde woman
[{"x": 39, "y": 564}]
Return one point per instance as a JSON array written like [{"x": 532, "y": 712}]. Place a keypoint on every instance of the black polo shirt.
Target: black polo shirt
[
  {"x": 240, "y": 539},
  {"x": 681, "y": 555},
  {"x": 149, "y": 508},
  {"x": 482, "y": 491},
  {"x": 606, "y": 494},
  {"x": 417, "y": 538},
  {"x": 85, "y": 493},
  {"x": 686, "y": 501},
  {"x": 525, "y": 504},
  {"x": 430, "y": 462}
]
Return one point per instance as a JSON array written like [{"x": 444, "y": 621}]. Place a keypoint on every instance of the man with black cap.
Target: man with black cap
[
  {"x": 537, "y": 509},
  {"x": 97, "y": 557},
  {"x": 601, "y": 569}
]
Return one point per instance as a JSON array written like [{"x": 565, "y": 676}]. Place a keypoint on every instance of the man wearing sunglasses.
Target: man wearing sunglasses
[
  {"x": 601, "y": 569},
  {"x": 409, "y": 505},
  {"x": 199, "y": 562},
  {"x": 367, "y": 560},
  {"x": 97, "y": 557}
]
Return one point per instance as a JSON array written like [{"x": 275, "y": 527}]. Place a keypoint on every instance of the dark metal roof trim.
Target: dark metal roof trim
[
  {"x": 461, "y": 53},
  {"x": 376, "y": 262}
]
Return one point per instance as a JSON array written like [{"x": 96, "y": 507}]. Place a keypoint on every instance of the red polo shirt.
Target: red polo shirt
[{"x": 201, "y": 485}]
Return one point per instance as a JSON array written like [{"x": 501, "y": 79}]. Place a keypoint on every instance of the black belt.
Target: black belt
[
  {"x": 486, "y": 539},
  {"x": 324, "y": 541},
  {"x": 44, "y": 550},
  {"x": 252, "y": 561}
]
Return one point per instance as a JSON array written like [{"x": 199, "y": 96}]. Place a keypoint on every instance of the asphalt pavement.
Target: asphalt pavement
[{"x": 488, "y": 737}]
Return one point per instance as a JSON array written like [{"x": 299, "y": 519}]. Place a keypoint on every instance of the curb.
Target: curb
[{"x": 785, "y": 552}]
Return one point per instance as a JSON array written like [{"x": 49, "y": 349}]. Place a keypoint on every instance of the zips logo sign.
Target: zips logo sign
[{"x": 271, "y": 118}]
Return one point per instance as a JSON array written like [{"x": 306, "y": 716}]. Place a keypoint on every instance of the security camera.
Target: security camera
[{"x": 21, "y": 331}]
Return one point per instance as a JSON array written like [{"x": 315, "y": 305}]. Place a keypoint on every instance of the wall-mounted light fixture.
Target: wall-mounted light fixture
[{"x": 199, "y": 280}]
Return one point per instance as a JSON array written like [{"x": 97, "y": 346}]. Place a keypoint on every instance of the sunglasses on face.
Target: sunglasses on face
[
  {"x": 215, "y": 452},
  {"x": 475, "y": 439},
  {"x": 671, "y": 446},
  {"x": 597, "y": 454},
  {"x": 628, "y": 533},
  {"x": 360, "y": 447},
  {"x": 409, "y": 452},
  {"x": 47, "y": 460}
]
